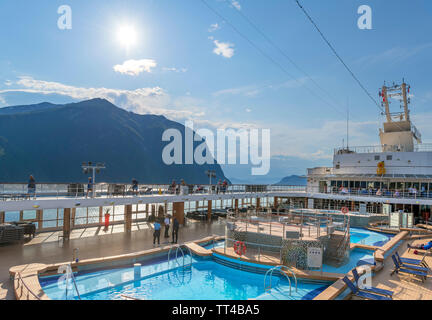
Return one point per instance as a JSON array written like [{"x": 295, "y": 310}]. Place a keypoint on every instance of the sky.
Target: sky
[{"x": 226, "y": 64}]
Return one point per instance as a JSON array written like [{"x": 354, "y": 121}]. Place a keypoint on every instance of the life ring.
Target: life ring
[
  {"x": 239, "y": 248},
  {"x": 344, "y": 210}
]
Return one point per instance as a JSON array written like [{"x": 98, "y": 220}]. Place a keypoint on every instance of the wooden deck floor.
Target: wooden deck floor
[{"x": 405, "y": 288}]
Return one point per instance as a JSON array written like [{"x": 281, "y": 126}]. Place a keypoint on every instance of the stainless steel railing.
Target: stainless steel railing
[
  {"x": 20, "y": 191},
  {"x": 22, "y": 285}
]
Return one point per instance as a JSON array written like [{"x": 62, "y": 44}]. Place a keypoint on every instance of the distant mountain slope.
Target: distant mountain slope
[
  {"x": 29, "y": 108},
  {"x": 293, "y": 180},
  {"x": 51, "y": 141}
]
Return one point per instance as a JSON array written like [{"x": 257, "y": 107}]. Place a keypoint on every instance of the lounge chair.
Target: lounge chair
[
  {"x": 415, "y": 248},
  {"x": 416, "y": 262},
  {"x": 399, "y": 269},
  {"x": 371, "y": 289},
  {"x": 363, "y": 294}
]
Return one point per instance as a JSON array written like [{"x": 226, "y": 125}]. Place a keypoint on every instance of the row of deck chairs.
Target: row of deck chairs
[
  {"x": 417, "y": 268},
  {"x": 410, "y": 267},
  {"x": 370, "y": 293}
]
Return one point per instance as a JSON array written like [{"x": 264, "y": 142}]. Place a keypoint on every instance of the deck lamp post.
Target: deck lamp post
[
  {"x": 211, "y": 174},
  {"x": 93, "y": 168}
]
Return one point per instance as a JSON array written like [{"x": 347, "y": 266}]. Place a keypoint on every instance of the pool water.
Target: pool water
[
  {"x": 372, "y": 238},
  {"x": 357, "y": 257},
  {"x": 205, "y": 280}
]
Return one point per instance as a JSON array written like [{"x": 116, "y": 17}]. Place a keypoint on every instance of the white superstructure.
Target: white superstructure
[{"x": 399, "y": 170}]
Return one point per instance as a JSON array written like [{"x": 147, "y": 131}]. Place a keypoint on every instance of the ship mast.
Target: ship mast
[{"x": 399, "y": 132}]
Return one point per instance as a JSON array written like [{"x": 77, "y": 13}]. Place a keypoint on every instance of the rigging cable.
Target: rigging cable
[{"x": 338, "y": 56}]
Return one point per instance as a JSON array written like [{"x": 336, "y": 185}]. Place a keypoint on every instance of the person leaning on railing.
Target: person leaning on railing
[{"x": 31, "y": 187}]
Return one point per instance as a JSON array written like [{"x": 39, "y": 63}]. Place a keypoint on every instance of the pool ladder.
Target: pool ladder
[
  {"x": 177, "y": 249},
  {"x": 281, "y": 269},
  {"x": 70, "y": 275},
  {"x": 183, "y": 271}
]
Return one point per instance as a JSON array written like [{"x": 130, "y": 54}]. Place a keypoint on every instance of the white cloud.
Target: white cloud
[
  {"x": 214, "y": 27},
  {"x": 8, "y": 83},
  {"x": 254, "y": 90},
  {"x": 248, "y": 110},
  {"x": 153, "y": 100},
  {"x": 236, "y": 4},
  {"x": 394, "y": 55},
  {"x": 224, "y": 49},
  {"x": 173, "y": 69},
  {"x": 248, "y": 91},
  {"x": 135, "y": 67}
]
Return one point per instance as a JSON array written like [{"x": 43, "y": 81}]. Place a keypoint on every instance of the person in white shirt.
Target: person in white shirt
[{"x": 167, "y": 225}]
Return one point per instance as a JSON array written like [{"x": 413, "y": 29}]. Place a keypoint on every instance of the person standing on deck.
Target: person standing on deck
[
  {"x": 167, "y": 226},
  {"x": 224, "y": 186},
  {"x": 134, "y": 186},
  {"x": 173, "y": 187},
  {"x": 89, "y": 186},
  {"x": 176, "y": 226},
  {"x": 156, "y": 233},
  {"x": 31, "y": 187}
]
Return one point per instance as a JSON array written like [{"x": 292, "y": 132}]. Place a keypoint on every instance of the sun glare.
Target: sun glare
[{"x": 126, "y": 35}]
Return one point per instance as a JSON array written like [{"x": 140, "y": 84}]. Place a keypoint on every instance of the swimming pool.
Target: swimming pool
[
  {"x": 357, "y": 257},
  {"x": 372, "y": 238},
  {"x": 205, "y": 280}
]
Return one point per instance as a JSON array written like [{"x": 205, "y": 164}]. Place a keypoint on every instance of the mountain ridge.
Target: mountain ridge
[{"x": 51, "y": 141}]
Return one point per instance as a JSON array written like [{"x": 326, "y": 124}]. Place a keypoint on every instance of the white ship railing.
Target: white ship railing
[
  {"x": 423, "y": 147},
  {"x": 410, "y": 193},
  {"x": 19, "y": 191}
]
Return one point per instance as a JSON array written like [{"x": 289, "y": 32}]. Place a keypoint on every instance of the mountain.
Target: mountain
[
  {"x": 293, "y": 181},
  {"x": 51, "y": 141},
  {"x": 28, "y": 108}
]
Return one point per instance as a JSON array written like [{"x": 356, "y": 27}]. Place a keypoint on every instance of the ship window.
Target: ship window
[
  {"x": 389, "y": 157},
  {"x": 377, "y": 157},
  {"x": 338, "y": 166}
]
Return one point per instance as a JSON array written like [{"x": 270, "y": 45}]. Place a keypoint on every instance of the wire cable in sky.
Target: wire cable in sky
[
  {"x": 282, "y": 52},
  {"x": 338, "y": 56},
  {"x": 267, "y": 56}
]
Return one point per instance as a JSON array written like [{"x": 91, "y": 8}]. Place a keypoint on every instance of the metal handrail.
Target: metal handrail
[
  {"x": 16, "y": 191},
  {"x": 346, "y": 238},
  {"x": 70, "y": 275},
  {"x": 75, "y": 285},
  {"x": 280, "y": 269},
  {"x": 178, "y": 247},
  {"x": 25, "y": 285},
  {"x": 129, "y": 297},
  {"x": 183, "y": 267}
]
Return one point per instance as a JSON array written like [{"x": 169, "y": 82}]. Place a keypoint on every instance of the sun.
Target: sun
[{"x": 127, "y": 36}]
